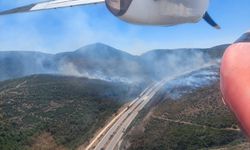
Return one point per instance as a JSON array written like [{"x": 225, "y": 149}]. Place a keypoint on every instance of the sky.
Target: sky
[{"x": 67, "y": 29}]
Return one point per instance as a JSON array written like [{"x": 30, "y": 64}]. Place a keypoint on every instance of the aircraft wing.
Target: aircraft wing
[{"x": 50, "y": 5}]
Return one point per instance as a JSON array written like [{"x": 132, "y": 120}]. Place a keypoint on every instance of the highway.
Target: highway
[{"x": 112, "y": 133}]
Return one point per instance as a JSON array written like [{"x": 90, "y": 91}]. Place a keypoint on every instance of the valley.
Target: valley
[{"x": 99, "y": 97}]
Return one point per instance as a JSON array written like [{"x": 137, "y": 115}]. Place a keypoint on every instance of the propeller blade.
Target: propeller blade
[{"x": 210, "y": 21}]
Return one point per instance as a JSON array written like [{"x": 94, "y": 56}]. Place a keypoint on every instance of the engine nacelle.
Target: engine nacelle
[{"x": 158, "y": 12}]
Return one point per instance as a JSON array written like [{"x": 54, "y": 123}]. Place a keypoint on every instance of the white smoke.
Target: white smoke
[
  {"x": 69, "y": 69},
  {"x": 187, "y": 83}
]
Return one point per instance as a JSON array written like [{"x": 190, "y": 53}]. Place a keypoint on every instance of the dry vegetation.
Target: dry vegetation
[{"x": 45, "y": 141}]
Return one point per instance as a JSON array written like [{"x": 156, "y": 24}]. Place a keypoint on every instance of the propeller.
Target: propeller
[{"x": 210, "y": 21}]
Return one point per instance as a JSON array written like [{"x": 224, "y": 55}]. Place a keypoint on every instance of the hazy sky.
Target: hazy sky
[{"x": 70, "y": 28}]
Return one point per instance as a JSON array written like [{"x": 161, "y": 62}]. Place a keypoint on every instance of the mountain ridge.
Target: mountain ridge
[
  {"x": 104, "y": 62},
  {"x": 106, "y": 45}
]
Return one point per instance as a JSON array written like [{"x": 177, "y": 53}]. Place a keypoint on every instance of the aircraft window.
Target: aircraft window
[
  {"x": 244, "y": 38},
  {"x": 118, "y": 7}
]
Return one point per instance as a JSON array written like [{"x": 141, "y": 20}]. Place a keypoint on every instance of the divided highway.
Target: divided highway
[
  {"x": 113, "y": 132},
  {"x": 110, "y": 136}
]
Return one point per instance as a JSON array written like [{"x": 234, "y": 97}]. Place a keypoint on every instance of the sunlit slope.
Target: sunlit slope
[{"x": 67, "y": 110}]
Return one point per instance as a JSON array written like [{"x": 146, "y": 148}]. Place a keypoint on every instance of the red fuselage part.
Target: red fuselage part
[{"x": 235, "y": 82}]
